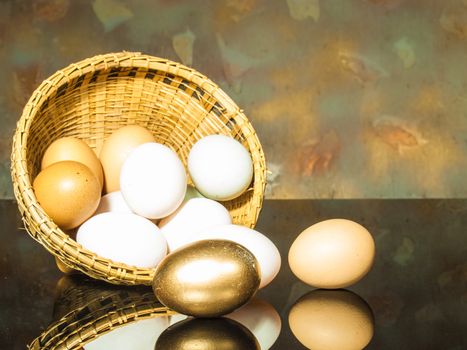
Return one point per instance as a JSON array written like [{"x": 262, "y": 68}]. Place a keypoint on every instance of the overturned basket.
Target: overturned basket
[{"x": 91, "y": 99}]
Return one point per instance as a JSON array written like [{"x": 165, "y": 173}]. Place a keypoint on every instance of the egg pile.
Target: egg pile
[{"x": 132, "y": 204}]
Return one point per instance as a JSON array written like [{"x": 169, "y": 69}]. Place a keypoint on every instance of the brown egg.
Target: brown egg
[
  {"x": 332, "y": 319},
  {"x": 207, "y": 334},
  {"x": 207, "y": 278},
  {"x": 332, "y": 254},
  {"x": 68, "y": 192},
  {"x": 63, "y": 268},
  {"x": 115, "y": 150},
  {"x": 71, "y": 148}
]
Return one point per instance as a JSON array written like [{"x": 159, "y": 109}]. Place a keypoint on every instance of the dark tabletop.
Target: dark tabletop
[{"x": 417, "y": 289}]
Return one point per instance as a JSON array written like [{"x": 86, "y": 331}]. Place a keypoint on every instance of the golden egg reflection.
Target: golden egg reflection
[
  {"x": 207, "y": 278},
  {"x": 207, "y": 334},
  {"x": 332, "y": 319},
  {"x": 259, "y": 316}
]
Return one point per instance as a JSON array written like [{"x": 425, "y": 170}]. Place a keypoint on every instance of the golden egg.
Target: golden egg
[
  {"x": 207, "y": 334},
  {"x": 68, "y": 192},
  {"x": 207, "y": 278},
  {"x": 71, "y": 148},
  {"x": 115, "y": 150},
  {"x": 332, "y": 319}
]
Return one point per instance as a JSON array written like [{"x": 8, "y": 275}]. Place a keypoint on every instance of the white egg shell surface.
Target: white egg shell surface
[
  {"x": 175, "y": 318},
  {"x": 192, "y": 217},
  {"x": 153, "y": 180},
  {"x": 220, "y": 167},
  {"x": 125, "y": 238},
  {"x": 113, "y": 202},
  {"x": 261, "y": 319},
  {"x": 259, "y": 245},
  {"x": 139, "y": 335}
]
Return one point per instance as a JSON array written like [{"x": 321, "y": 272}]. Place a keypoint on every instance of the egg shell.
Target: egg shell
[
  {"x": 262, "y": 319},
  {"x": 116, "y": 149},
  {"x": 68, "y": 192},
  {"x": 332, "y": 254},
  {"x": 220, "y": 167},
  {"x": 192, "y": 217},
  {"x": 124, "y": 238},
  {"x": 113, "y": 202},
  {"x": 262, "y": 247},
  {"x": 153, "y": 180},
  {"x": 332, "y": 319},
  {"x": 207, "y": 278},
  {"x": 71, "y": 148},
  {"x": 63, "y": 268},
  {"x": 141, "y": 335}
]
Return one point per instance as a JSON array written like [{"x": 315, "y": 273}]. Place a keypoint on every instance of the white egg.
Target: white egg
[
  {"x": 113, "y": 202},
  {"x": 220, "y": 167},
  {"x": 139, "y": 335},
  {"x": 262, "y": 319},
  {"x": 259, "y": 245},
  {"x": 175, "y": 318},
  {"x": 125, "y": 238},
  {"x": 194, "y": 216},
  {"x": 153, "y": 180}
]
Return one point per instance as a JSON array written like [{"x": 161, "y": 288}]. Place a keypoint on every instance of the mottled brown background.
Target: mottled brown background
[{"x": 350, "y": 98}]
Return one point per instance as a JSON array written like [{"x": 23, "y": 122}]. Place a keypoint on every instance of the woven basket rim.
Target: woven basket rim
[{"x": 58, "y": 242}]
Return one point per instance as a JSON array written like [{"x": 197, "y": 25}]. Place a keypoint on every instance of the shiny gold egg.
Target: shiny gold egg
[
  {"x": 207, "y": 334},
  {"x": 207, "y": 278},
  {"x": 332, "y": 319}
]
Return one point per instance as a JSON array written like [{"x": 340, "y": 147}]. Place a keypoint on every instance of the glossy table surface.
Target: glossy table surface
[{"x": 417, "y": 289}]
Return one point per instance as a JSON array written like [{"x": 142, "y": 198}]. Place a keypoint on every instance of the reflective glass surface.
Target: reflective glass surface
[{"x": 415, "y": 297}]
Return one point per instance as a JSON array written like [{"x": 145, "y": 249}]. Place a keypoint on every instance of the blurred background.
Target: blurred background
[{"x": 350, "y": 98}]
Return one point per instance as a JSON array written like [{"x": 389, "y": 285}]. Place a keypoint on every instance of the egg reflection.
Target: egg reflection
[
  {"x": 207, "y": 334},
  {"x": 260, "y": 317},
  {"x": 332, "y": 319}
]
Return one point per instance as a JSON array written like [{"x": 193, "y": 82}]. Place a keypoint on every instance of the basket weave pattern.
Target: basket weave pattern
[
  {"x": 107, "y": 311},
  {"x": 93, "y": 98}
]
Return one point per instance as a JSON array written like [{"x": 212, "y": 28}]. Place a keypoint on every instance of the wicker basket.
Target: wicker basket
[
  {"x": 91, "y": 99},
  {"x": 91, "y": 310}
]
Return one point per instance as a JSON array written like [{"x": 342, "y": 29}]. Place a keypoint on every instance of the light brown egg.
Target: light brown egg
[
  {"x": 71, "y": 148},
  {"x": 332, "y": 254},
  {"x": 68, "y": 192},
  {"x": 332, "y": 319},
  {"x": 208, "y": 278},
  {"x": 207, "y": 334},
  {"x": 63, "y": 268},
  {"x": 115, "y": 150}
]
